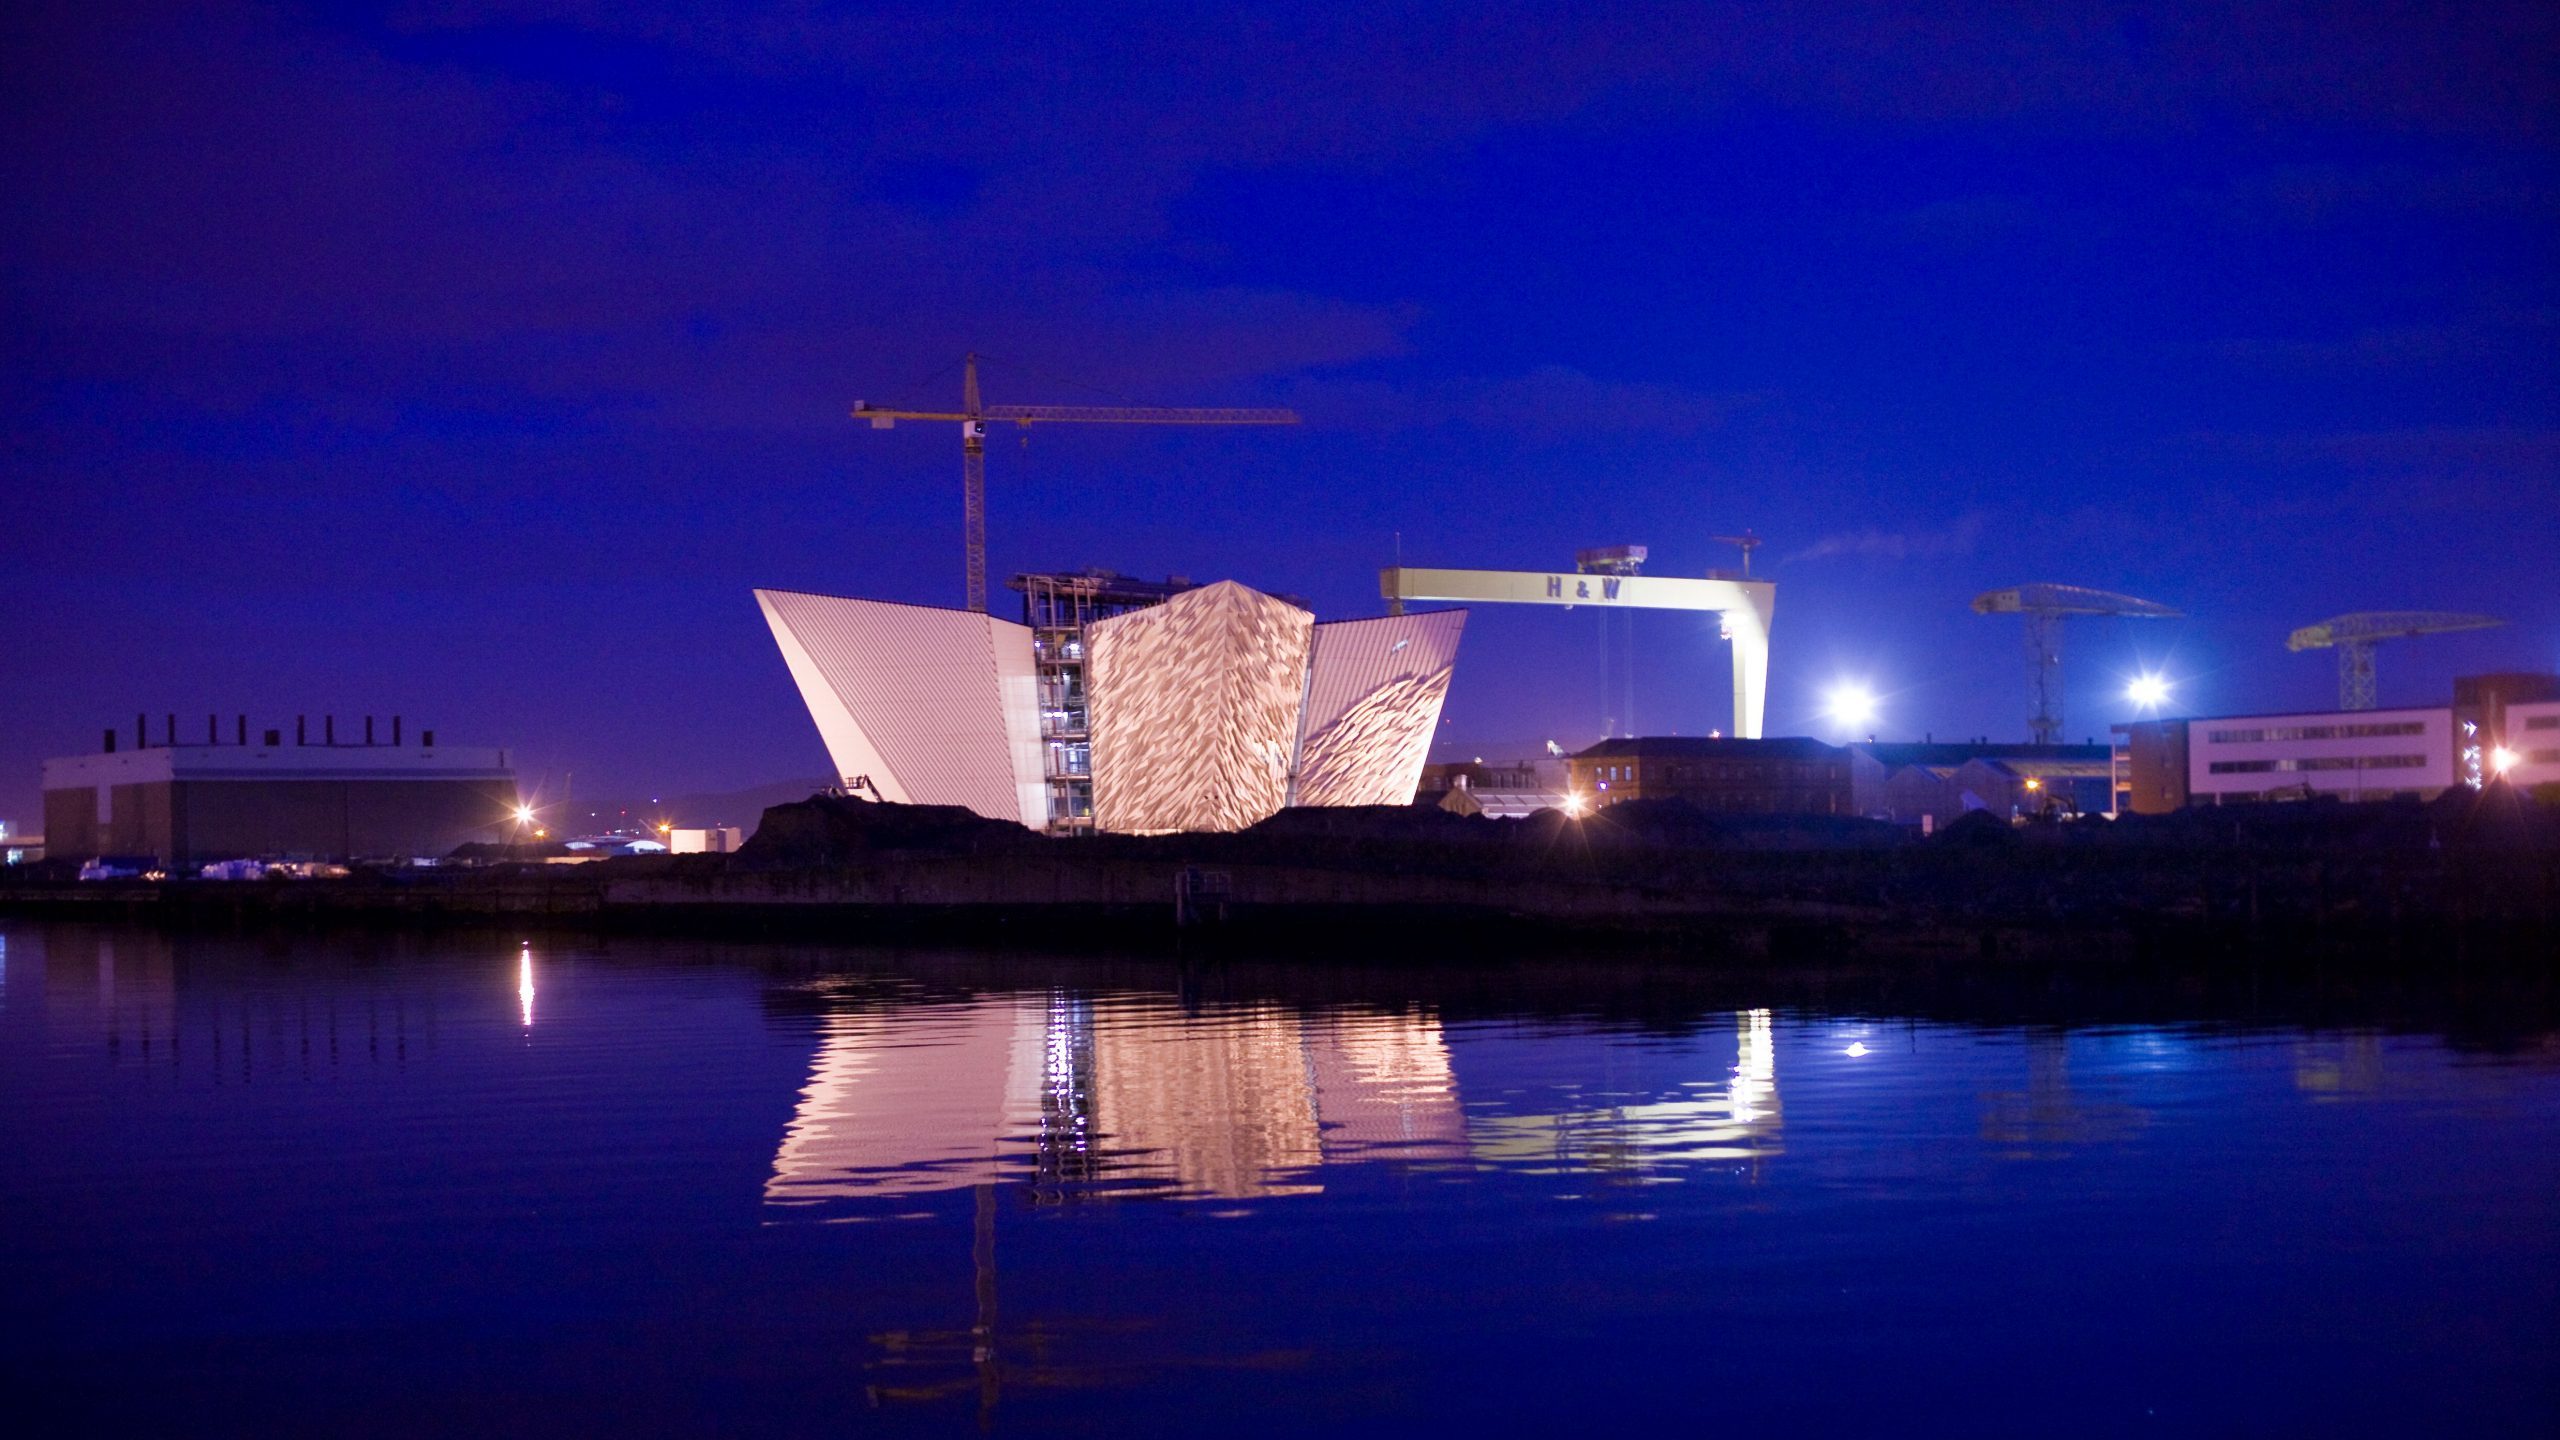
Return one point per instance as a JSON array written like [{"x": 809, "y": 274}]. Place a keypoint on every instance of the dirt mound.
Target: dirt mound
[{"x": 828, "y": 830}]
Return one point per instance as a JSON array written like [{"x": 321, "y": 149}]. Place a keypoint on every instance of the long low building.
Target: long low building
[
  {"x": 1783, "y": 776},
  {"x": 2499, "y": 727},
  {"x": 1210, "y": 710},
  {"x": 2162, "y": 765},
  {"x": 185, "y": 805}
]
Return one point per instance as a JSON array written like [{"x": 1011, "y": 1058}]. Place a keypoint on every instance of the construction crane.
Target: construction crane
[
  {"x": 2045, "y": 607},
  {"x": 974, "y": 415},
  {"x": 2354, "y": 636}
]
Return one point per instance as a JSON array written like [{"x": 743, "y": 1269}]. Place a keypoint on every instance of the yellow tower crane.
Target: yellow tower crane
[
  {"x": 973, "y": 416},
  {"x": 2354, "y": 636}
]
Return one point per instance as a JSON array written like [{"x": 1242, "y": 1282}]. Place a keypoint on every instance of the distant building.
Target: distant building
[
  {"x": 1542, "y": 773},
  {"x": 2150, "y": 767},
  {"x": 185, "y": 805},
  {"x": 1789, "y": 776},
  {"x": 1497, "y": 791},
  {"x": 1938, "y": 782},
  {"x": 2350, "y": 754},
  {"x": 1503, "y": 804},
  {"x": 713, "y": 840},
  {"x": 2490, "y": 713},
  {"x": 2530, "y": 736},
  {"x": 2505, "y": 725}
]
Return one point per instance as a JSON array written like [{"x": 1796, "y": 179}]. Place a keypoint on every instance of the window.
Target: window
[
  {"x": 2542, "y": 722},
  {"x": 2370, "y": 731},
  {"x": 2318, "y": 762}
]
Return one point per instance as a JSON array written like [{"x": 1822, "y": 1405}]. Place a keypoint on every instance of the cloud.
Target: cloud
[{"x": 1958, "y": 537}]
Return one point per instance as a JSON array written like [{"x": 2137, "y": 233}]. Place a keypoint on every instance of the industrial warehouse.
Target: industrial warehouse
[{"x": 377, "y": 794}]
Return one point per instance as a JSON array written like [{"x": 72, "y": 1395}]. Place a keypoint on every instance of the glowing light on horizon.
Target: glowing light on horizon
[
  {"x": 1851, "y": 706},
  {"x": 1856, "y": 1049}
]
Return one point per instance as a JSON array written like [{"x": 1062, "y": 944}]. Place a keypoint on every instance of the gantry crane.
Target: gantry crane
[
  {"x": 2354, "y": 636},
  {"x": 973, "y": 417},
  {"x": 2045, "y": 607}
]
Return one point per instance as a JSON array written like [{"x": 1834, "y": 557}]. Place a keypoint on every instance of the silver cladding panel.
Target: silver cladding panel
[
  {"x": 937, "y": 707},
  {"x": 1195, "y": 710},
  {"x": 1373, "y": 700}
]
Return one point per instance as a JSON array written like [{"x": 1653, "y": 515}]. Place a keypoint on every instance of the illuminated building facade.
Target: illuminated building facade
[
  {"x": 1120, "y": 706},
  {"x": 2235, "y": 759}
]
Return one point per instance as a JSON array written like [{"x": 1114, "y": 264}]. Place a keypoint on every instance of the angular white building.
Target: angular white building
[
  {"x": 1209, "y": 711},
  {"x": 922, "y": 705}
]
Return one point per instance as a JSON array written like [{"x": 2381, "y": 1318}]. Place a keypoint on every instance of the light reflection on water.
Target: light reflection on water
[
  {"x": 938, "y": 1184},
  {"x": 1225, "y": 1102}
]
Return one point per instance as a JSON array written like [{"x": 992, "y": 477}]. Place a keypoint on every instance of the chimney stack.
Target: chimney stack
[
  {"x": 111, "y": 739},
  {"x": 244, "y": 730},
  {"x": 141, "y": 731},
  {"x": 368, "y": 731},
  {"x": 301, "y": 729},
  {"x": 395, "y": 731},
  {"x": 329, "y": 730}
]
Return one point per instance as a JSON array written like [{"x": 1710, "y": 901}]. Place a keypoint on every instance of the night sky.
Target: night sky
[{"x": 474, "y": 362}]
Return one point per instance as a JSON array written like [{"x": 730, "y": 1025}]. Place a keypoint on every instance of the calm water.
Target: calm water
[{"x": 578, "y": 1187}]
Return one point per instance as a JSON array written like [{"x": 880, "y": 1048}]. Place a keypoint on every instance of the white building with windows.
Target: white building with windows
[
  {"x": 2354, "y": 755},
  {"x": 2531, "y": 744}
]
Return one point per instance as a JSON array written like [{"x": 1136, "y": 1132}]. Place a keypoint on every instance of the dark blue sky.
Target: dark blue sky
[{"x": 474, "y": 362}]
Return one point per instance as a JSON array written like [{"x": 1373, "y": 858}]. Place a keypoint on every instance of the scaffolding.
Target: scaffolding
[{"x": 1061, "y": 609}]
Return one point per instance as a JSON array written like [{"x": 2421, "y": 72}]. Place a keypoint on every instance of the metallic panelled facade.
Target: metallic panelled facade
[
  {"x": 1195, "y": 710},
  {"x": 937, "y": 707},
  {"x": 1374, "y": 693}
]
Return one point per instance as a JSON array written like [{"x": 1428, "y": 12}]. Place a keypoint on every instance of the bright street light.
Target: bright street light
[
  {"x": 524, "y": 814},
  {"x": 2502, "y": 760},
  {"x": 2150, "y": 692},
  {"x": 1851, "y": 706}
]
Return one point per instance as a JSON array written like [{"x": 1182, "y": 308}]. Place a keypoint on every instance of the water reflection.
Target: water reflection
[
  {"x": 1405, "y": 1216},
  {"x": 1127, "y": 1093},
  {"x": 916, "y": 1099},
  {"x": 1733, "y": 1118},
  {"x": 2333, "y": 1067},
  {"x": 151, "y": 1003},
  {"x": 2049, "y": 1115}
]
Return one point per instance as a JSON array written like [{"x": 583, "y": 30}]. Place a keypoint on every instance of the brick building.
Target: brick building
[{"x": 1792, "y": 776}]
